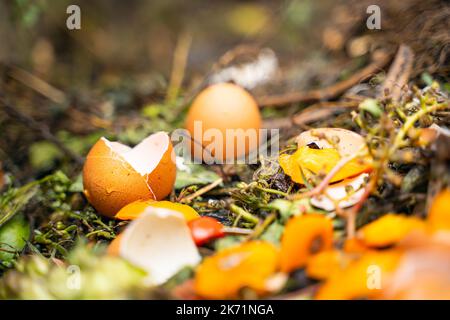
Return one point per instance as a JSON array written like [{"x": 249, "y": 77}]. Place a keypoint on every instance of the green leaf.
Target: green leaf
[
  {"x": 43, "y": 154},
  {"x": 227, "y": 242},
  {"x": 13, "y": 237},
  {"x": 426, "y": 78},
  {"x": 77, "y": 185},
  {"x": 14, "y": 200},
  {"x": 194, "y": 174},
  {"x": 181, "y": 276},
  {"x": 288, "y": 208},
  {"x": 372, "y": 106},
  {"x": 273, "y": 233},
  {"x": 91, "y": 273}
]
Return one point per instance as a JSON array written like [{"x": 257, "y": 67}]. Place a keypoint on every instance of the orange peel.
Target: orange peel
[
  {"x": 248, "y": 265},
  {"x": 135, "y": 209},
  {"x": 304, "y": 236},
  {"x": 363, "y": 278},
  {"x": 354, "y": 245},
  {"x": 389, "y": 229},
  {"x": 439, "y": 213},
  {"x": 324, "y": 264}
]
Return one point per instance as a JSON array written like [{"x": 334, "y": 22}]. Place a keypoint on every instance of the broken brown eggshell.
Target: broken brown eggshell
[
  {"x": 346, "y": 142},
  {"x": 115, "y": 175},
  {"x": 349, "y": 191}
]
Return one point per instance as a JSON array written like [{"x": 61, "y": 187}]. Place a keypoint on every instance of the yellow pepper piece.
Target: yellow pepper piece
[{"x": 313, "y": 161}]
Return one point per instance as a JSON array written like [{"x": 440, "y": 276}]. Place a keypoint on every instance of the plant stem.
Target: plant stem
[
  {"x": 273, "y": 191},
  {"x": 410, "y": 122},
  {"x": 247, "y": 216},
  {"x": 263, "y": 226},
  {"x": 202, "y": 191}
]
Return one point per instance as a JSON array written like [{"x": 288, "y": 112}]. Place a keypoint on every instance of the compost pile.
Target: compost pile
[{"x": 350, "y": 201}]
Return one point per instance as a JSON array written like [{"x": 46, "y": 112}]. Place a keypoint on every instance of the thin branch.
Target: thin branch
[
  {"x": 179, "y": 66},
  {"x": 39, "y": 127},
  {"x": 328, "y": 92},
  {"x": 398, "y": 73},
  {"x": 201, "y": 191},
  {"x": 39, "y": 85}
]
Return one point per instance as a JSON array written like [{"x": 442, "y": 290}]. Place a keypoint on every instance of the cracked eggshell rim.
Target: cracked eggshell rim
[
  {"x": 159, "y": 242},
  {"x": 349, "y": 142}
]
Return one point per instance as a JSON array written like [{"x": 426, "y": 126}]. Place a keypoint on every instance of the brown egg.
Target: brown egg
[
  {"x": 115, "y": 175},
  {"x": 219, "y": 109}
]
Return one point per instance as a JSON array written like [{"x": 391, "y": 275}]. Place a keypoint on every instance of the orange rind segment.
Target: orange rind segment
[
  {"x": 389, "y": 229},
  {"x": 135, "y": 209},
  {"x": 324, "y": 264},
  {"x": 248, "y": 265},
  {"x": 303, "y": 237},
  {"x": 439, "y": 213},
  {"x": 363, "y": 278}
]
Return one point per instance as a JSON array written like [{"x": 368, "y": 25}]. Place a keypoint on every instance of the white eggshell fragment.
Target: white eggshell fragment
[
  {"x": 348, "y": 142},
  {"x": 159, "y": 241},
  {"x": 338, "y": 192}
]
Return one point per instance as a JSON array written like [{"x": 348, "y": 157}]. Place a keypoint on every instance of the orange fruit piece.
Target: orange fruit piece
[
  {"x": 304, "y": 236},
  {"x": 439, "y": 214},
  {"x": 135, "y": 209},
  {"x": 324, "y": 264},
  {"x": 354, "y": 245},
  {"x": 114, "y": 246},
  {"x": 389, "y": 229},
  {"x": 224, "y": 274},
  {"x": 363, "y": 278},
  {"x": 314, "y": 161}
]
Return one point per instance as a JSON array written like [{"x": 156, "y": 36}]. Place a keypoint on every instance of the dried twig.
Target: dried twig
[
  {"x": 237, "y": 231},
  {"x": 39, "y": 127},
  {"x": 179, "y": 66},
  {"x": 321, "y": 111},
  {"x": 277, "y": 123},
  {"x": 201, "y": 191},
  {"x": 38, "y": 85},
  {"x": 398, "y": 74},
  {"x": 329, "y": 92}
]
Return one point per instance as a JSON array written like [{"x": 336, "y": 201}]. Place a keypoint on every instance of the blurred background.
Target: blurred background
[{"x": 134, "y": 65}]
